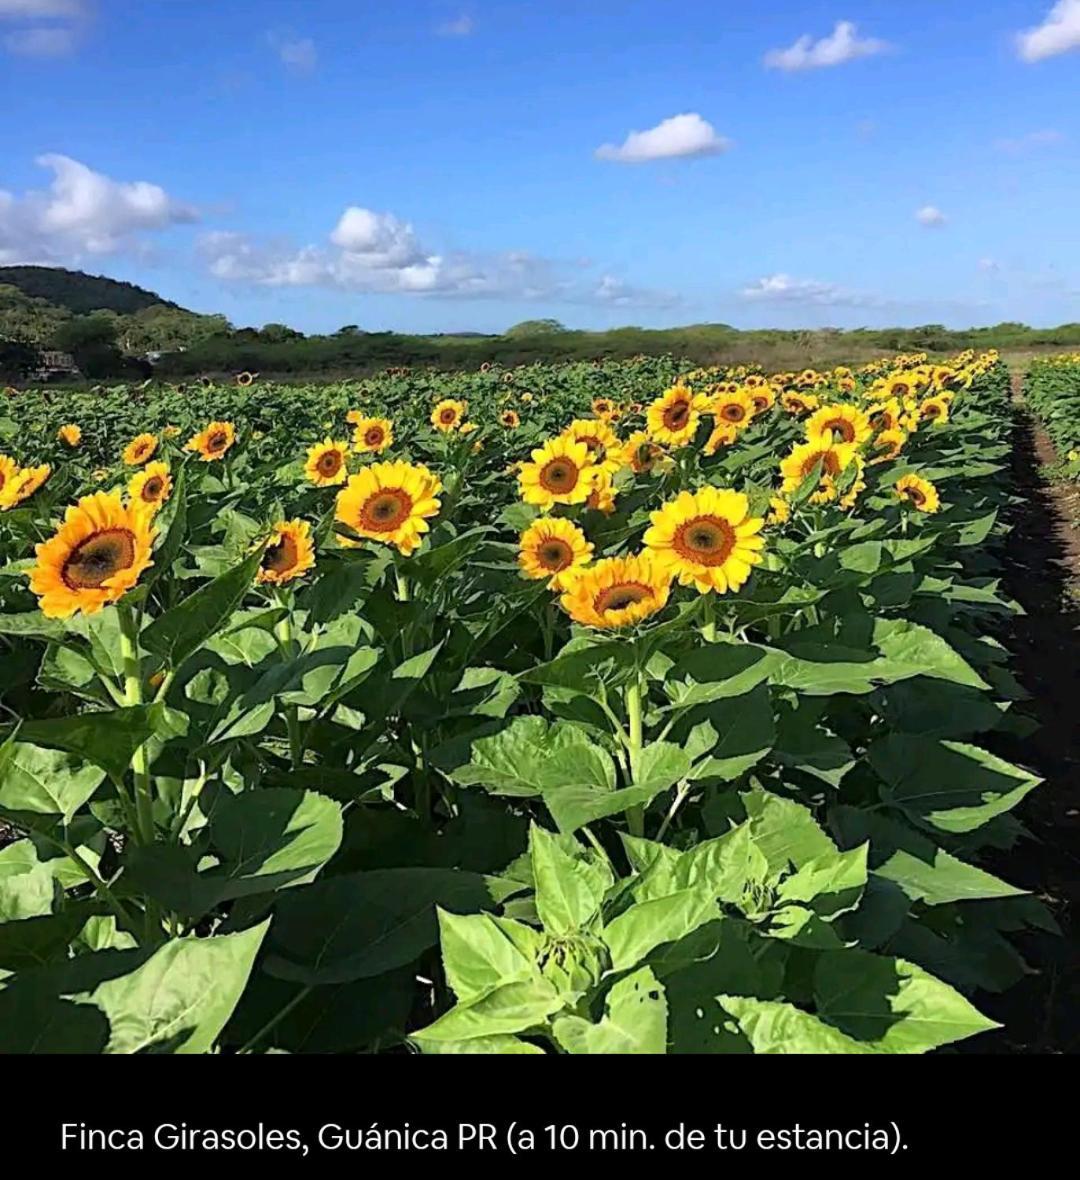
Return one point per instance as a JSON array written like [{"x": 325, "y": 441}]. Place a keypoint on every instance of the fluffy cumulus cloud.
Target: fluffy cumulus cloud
[
  {"x": 842, "y": 45},
  {"x": 1058, "y": 33},
  {"x": 369, "y": 251},
  {"x": 43, "y": 28},
  {"x": 681, "y": 135},
  {"x": 82, "y": 213},
  {"x": 782, "y": 288},
  {"x": 930, "y": 216}
]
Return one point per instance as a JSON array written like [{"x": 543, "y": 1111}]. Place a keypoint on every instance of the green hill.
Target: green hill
[{"x": 80, "y": 293}]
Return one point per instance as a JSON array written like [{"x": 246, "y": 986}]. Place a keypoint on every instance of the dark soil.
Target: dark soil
[{"x": 1042, "y": 1014}]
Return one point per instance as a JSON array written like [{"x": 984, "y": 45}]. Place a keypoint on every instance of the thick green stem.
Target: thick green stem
[
  {"x": 284, "y": 632},
  {"x": 133, "y": 695},
  {"x": 708, "y": 627},
  {"x": 635, "y": 816}
]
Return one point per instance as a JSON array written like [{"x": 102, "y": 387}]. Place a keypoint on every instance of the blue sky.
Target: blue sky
[{"x": 436, "y": 166}]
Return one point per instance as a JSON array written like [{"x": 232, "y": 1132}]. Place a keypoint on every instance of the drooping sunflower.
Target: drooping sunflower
[
  {"x": 325, "y": 466},
  {"x": 643, "y": 455},
  {"x": 213, "y": 442},
  {"x": 708, "y": 539},
  {"x": 918, "y": 492},
  {"x": 723, "y": 435},
  {"x": 834, "y": 458},
  {"x": 734, "y": 408},
  {"x": 448, "y": 415},
  {"x": 602, "y": 496},
  {"x": 616, "y": 592},
  {"x": 887, "y": 445},
  {"x": 561, "y": 472},
  {"x": 605, "y": 447},
  {"x": 70, "y": 434},
  {"x": 935, "y": 410},
  {"x": 763, "y": 397},
  {"x": 885, "y": 415},
  {"x": 390, "y": 502},
  {"x": 141, "y": 447},
  {"x": 550, "y": 547},
  {"x": 798, "y": 403},
  {"x": 26, "y": 482},
  {"x": 152, "y": 486},
  {"x": 95, "y": 556},
  {"x": 289, "y": 553},
  {"x": 372, "y": 436},
  {"x": 673, "y": 417},
  {"x": 846, "y": 424},
  {"x": 510, "y": 419},
  {"x": 779, "y": 511}
]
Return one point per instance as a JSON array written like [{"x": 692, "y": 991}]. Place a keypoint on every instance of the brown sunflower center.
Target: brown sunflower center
[
  {"x": 280, "y": 557},
  {"x": 677, "y": 415},
  {"x": 329, "y": 463},
  {"x": 706, "y": 540},
  {"x": 447, "y": 416},
  {"x": 386, "y": 510},
  {"x": 842, "y": 428},
  {"x": 373, "y": 436},
  {"x": 830, "y": 464},
  {"x": 621, "y": 595},
  {"x": 217, "y": 441},
  {"x": 761, "y": 402},
  {"x": 645, "y": 457},
  {"x": 931, "y": 410},
  {"x": 733, "y": 412},
  {"x": 555, "y": 554},
  {"x": 152, "y": 488},
  {"x": 559, "y": 476},
  {"x": 915, "y": 495},
  {"x": 99, "y": 557}
]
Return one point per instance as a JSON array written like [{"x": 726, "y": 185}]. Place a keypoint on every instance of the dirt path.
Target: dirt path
[{"x": 1042, "y": 1014}]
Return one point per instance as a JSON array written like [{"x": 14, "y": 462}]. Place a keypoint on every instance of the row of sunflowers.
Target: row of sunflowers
[
  {"x": 587, "y": 708},
  {"x": 1052, "y": 389}
]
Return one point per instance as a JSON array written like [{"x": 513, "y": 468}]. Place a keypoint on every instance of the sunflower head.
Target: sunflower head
[
  {"x": 289, "y": 553},
  {"x": 390, "y": 502},
  {"x": 372, "y": 436},
  {"x": 935, "y": 410},
  {"x": 887, "y": 445},
  {"x": 70, "y": 434},
  {"x": 833, "y": 458},
  {"x": 707, "y": 539},
  {"x": 643, "y": 455},
  {"x": 213, "y": 442},
  {"x": 918, "y": 492},
  {"x": 141, "y": 447},
  {"x": 798, "y": 403},
  {"x": 846, "y": 424},
  {"x": 779, "y": 511},
  {"x": 245, "y": 379},
  {"x": 605, "y": 448},
  {"x": 617, "y": 591},
  {"x": 561, "y": 472},
  {"x": 95, "y": 556},
  {"x": 325, "y": 465},
  {"x": 734, "y": 408},
  {"x": 152, "y": 486},
  {"x": 9, "y": 473},
  {"x": 551, "y": 548},
  {"x": 673, "y": 418},
  {"x": 603, "y": 407},
  {"x": 761, "y": 395},
  {"x": 723, "y": 435},
  {"x": 448, "y": 415}
]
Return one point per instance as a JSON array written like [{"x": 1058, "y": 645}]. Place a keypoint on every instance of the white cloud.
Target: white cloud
[
  {"x": 1033, "y": 139},
  {"x": 681, "y": 135},
  {"x": 1058, "y": 33},
  {"x": 461, "y": 26},
  {"x": 41, "y": 9},
  {"x": 297, "y": 54},
  {"x": 930, "y": 216},
  {"x": 842, "y": 45},
  {"x": 782, "y": 288},
  {"x": 54, "y": 41},
  {"x": 83, "y": 212},
  {"x": 369, "y": 251}
]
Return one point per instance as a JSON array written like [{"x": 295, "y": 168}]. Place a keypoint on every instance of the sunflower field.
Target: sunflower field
[
  {"x": 592, "y": 708},
  {"x": 1052, "y": 389}
]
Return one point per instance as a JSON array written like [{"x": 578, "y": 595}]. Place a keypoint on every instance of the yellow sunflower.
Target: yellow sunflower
[
  {"x": 95, "y": 556},
  {"x": 834, "y": 458},
  {"x": 170, "y": 431},
  {"x": 390, "y": 502},
  {"x": 918, "y": 492},
  {"x": 798, "y": 403},
  {"x": 673, "y": 418},
  {"x": 605, "y": 447},
  {"x": 23, "y": 485},
  {"x": 245, "y": 379},
  {"x": 708, "y": 539},
  {"x": 643, "y": 455},
  {"x": 886, "y": 415},
  {"x": 152, "y": 486},
  {"x": 70, "y": 434},
  {"x": 372, "y": 435},
  {"x": 141, "y": 447},
  {"x": 935, "y": 410},
  {"x": 561, "y": 472},
  {"x": 762, "y": 396},
  {"x": 847, "y": 424},
  {"x": 734, "y": 408},
  {"x": 616, "y": 592},
  {"x": 289, "y": 553},
  {"x": 779, "y": 511},
  {"x": 550, "y": 547},
  {"x": 448, "y": 415},
  {"x": 510, "y": 419},
  {"x": 602, "y": 496},
  {"x": 325, "y": 465},
  {"x": 213, "y": 442},
  {"x": 9, "y": 473},
  {"x": 887, "y": 445},
  {"x": 723, "y": 435},
  {"x": 603, "y": 407}
]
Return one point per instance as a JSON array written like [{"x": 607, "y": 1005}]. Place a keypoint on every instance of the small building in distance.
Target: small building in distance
[{"x": 56, "y": 364}]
